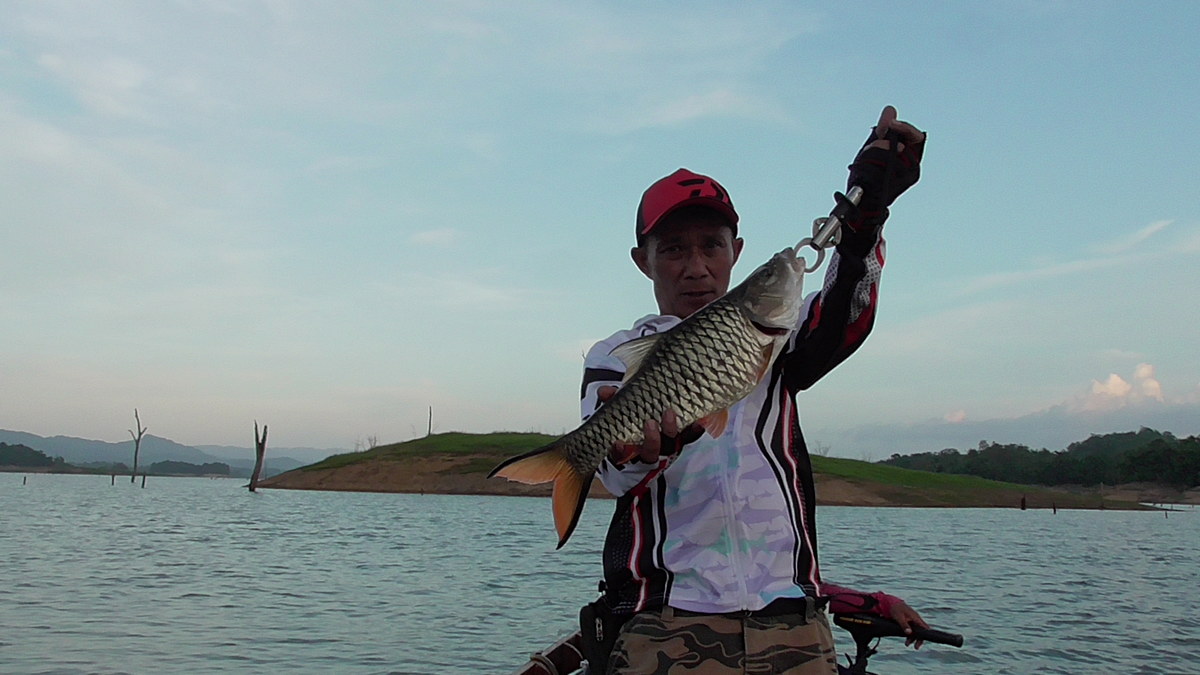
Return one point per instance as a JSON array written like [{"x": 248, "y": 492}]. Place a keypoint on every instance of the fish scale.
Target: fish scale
[
  {"x": 705, "y": 370},
  {"x": 694, "y": 381},
  {"x": 698, "y": 369}
]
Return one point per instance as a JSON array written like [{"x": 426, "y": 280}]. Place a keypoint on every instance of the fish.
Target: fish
[{"x": 699, "y": 368}]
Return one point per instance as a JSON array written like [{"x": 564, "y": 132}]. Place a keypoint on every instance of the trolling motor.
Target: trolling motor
[
  {"x": 827, "y": 231},
  {"x": 865, "y": 628}
]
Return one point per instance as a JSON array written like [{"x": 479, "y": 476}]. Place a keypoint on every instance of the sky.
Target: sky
[{"x": 333, "y": 218}]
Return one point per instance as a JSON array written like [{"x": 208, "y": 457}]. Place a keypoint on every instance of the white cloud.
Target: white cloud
[
  {"x": 1131, "y": 240},
  {"x": 1113, "y": 388},
  {"x": 445, "y": 65},
  {"x": 1191, "y": 243},
  {"x": 1115, "y": 254},
  {"x": 109, "y": 86},
  {"x": 679, "y": 107},
  {"x": 1148, "y": 386},
  {"x": 441, "y": 237},
  {"x": 1017, "y": 277},
  {"x": 956, "y": 416},
  {"x": 327, "y": 165},
  {"x": 107, "y": 211},
  {"x": 1115, "y": 392},
  {"x": 481, "y": 293}
]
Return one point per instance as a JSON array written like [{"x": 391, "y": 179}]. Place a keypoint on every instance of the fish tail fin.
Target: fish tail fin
[
  {"x": 541, "y": 465},
  {"x": 549, "y": 463},
  {"x": 570, "y": 492}
]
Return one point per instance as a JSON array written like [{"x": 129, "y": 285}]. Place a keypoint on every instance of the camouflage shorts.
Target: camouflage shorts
[{"x": 651, "y": 643}]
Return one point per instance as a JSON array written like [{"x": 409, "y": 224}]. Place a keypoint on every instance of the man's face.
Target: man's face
[{"x": 689, "y": 257}]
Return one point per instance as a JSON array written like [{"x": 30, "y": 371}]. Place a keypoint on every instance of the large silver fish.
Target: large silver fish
[{"x": 699, "y": 368}]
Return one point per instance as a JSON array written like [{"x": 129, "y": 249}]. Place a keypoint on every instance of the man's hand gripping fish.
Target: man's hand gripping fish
[{"x": 699, "y": 368}]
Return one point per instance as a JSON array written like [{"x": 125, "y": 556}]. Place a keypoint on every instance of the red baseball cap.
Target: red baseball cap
[{"x": 682, "y": 188}]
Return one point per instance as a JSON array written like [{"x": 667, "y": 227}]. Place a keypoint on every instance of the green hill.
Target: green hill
[{"x": 458, "y": 463}]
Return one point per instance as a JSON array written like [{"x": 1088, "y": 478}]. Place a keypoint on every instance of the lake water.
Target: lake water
[{"x": 200, "y": 576}]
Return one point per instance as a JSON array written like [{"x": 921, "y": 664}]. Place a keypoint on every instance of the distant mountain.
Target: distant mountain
[
  {"x": 304, "y": 455},
  {"x": 78, "y": 450},
  {"x": 156, "y": 449},
  {"x": 271, "y": 465}
]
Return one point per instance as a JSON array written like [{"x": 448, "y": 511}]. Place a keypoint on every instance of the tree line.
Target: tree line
[
  {"x": 23, "y": 456},
  {"x": 1144, "y": 456}
]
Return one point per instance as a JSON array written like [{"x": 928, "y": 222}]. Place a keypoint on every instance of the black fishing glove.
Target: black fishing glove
[{"x": 884, "y": 173}]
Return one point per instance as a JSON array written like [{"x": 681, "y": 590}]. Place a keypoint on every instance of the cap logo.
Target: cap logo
[
  {"x": 718, "y": 193},
  {"x": 660, "y": 199}
]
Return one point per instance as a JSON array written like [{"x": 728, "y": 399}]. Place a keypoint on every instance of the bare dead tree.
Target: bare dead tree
[
  {"x": 260, "y": 449},
  {"x": 137, "y": 442}
]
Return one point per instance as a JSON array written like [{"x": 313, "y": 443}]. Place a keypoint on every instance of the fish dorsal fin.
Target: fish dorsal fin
[
  {"x": 715, "y": 423},
  {"x": 634, "y": 352}
]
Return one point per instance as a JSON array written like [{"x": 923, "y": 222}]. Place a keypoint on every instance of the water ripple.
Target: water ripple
[{"x": 193, "y": 575}]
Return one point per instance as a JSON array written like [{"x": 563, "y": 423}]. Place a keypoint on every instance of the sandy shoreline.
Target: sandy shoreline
[{"x": 445, "y": 475}]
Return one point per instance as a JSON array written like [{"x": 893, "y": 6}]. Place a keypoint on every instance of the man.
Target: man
[{"x": 712, "y": 550}]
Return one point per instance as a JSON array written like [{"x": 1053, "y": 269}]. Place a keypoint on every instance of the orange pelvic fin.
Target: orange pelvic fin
[{"x": 715, "y": 423}]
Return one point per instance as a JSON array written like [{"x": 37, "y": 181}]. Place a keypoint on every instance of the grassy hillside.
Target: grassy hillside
[
  {"x": 458, "y": 463},
  {"x": 922, "y": 488},
  {"x": 483, "y": 450}
]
